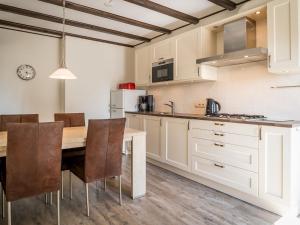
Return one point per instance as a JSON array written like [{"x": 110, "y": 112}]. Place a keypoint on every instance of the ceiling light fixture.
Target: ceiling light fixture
[
  {"x": 257, "y": 12},
  {"x": 62, "y": 72}
]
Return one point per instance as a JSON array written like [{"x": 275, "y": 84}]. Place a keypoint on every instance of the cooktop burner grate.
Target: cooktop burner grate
[{"x": 237, "y": 116}]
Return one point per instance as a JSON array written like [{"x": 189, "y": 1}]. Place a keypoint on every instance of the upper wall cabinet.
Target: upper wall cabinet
[
  {"x": 142, "y": 66},
  {"x": 186, "y": 53},
  {"x": 284, "y": 36},
  {"x": 190, "y": 46},
  {"x": 161, "y": 51}
]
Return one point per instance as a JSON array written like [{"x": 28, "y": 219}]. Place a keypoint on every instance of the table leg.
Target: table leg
[{"x": 138, "y": 166}]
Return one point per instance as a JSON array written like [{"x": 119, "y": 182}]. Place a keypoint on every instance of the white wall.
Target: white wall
[
  {"x": 99, "y": 68},
  {"x": 40, "y": 95},
  {"x": 239, "y": 89}
]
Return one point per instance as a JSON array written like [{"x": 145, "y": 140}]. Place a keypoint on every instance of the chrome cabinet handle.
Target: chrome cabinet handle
[
  {"x": 219, "y": 124},
  {"x": 219, "y": 145},
  {"x": 218, "y": 134},
  {"x": 269, "y": 61},
  {"x": 218, "y": 165}
]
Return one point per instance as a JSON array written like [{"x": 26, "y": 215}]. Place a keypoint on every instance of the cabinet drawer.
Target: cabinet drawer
[
  {"x": 232, "y": 128},
  {"x": 228, "y": 138},
  {"x": 227, "y": 175},
  {"x": 234, "y": 155}
]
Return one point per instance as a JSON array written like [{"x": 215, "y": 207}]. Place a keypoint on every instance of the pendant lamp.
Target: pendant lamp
[{"x": 63, "y": 72}]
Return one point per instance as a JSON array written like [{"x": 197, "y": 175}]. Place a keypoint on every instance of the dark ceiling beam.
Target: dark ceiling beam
[
  {"x": 227, "y": 4},
  {"x": 165, "y": 10},
  {"x": 55, "y": 19},
  {"x": 56, "y": 32},
  {"x": 107, "y": 15}
]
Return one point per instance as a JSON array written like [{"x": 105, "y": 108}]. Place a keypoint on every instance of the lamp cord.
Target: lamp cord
[{"x": 64, "y": 36}]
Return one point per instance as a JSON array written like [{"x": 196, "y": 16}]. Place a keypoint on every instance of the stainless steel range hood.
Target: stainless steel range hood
[{"x": 239, "y": 45}]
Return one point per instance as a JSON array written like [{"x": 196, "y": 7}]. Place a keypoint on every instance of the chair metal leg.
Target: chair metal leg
[
  {"x": 3, "y": 204},
  {"x": 62, "y": 185},
  {"x": 70, "y": 183},
  {"x": 104, "y": 184},
  {"x": 58, "y": 207},
  {"x": 120, "y": 189},
  {"x": 87, "y": 199},
  {"x": 9, "y": 213},
  {"x": 46, "y": 198},
  {"x": 51, "y": 198}
]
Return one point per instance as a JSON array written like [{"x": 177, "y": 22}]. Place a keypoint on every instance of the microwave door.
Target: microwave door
[{"x": 162, "y": 72}]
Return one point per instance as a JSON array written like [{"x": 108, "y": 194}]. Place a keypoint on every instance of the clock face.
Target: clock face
[{"x": 26, "y": 72}]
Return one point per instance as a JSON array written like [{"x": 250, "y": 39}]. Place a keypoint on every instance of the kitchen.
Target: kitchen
[{"x": 217, "y": 99}]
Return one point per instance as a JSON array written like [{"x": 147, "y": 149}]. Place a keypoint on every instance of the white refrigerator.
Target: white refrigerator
[{"x": 124, "y": 100}]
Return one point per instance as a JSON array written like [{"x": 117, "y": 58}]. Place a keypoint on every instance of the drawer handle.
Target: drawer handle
[
  {"x": 218, "y": 134},
  {"x": 219, "y": 145},
  {"x": 219, "y": 124},
  {"x": 218, "y": 165}
]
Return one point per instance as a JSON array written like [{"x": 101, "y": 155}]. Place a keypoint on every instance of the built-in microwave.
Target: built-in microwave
[{"x": 163, "y": 71}]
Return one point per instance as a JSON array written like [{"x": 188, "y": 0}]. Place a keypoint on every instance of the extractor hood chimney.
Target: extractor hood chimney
[{"x": 239, "y": 45}]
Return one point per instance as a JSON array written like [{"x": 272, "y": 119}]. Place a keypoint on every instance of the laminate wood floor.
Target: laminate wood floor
[{"x": 170, "y": 199}]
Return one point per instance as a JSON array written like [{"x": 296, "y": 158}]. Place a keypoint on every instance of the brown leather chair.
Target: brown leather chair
[
  {"x": 103, "y": 154},
  {"x": 33, "y": 162},
  {"x": 20, "y": 118},
  {"x": 71, "y": 119}
]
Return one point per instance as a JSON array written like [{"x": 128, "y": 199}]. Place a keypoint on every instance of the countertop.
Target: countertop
[{"x": 262, "y": 122}]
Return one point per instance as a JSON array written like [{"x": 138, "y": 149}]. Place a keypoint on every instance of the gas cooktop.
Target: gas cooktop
[{"x": 237, "y": 116}]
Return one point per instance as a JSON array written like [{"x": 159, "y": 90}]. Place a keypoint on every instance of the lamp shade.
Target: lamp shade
[{"x": 63, "y": 73}]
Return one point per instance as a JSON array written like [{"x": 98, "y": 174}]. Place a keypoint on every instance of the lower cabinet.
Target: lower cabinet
[
  {"x": 175, "y": 142},
  {"x": 231, "y": 176},
  {"x": 275, "y": 164},
  {"x": 134, "y": 121},
  {"x": 260, "y": 161},
  {"x": 152, "y": 126}
]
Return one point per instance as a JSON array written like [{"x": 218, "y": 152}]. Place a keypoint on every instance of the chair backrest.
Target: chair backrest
[
  {"x": 103, "y": 154},
  {"x": 71, "y": 119},
  {"x": 18, "y": 118},
  {"x": 33, "y": 162}
]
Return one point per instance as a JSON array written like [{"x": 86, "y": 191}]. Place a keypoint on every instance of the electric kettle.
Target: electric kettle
[{"x": 212, "y": 107}]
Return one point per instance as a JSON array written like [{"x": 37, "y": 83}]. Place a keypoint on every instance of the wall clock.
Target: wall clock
[{"x": 26, "y": 72}]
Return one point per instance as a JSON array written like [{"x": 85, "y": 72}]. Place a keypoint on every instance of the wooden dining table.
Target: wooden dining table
[{"x": 76, "y": 137}]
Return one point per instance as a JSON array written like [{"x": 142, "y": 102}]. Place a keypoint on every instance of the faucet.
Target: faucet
[{"x": 172, "y": 106}]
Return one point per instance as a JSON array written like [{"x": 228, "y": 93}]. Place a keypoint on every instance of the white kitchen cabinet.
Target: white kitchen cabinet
[
  {"x": 152, "y": 126},
  {"x": 135, "y": 121},
  {"x": 175, "y": 142},
  {"x": 234, "y": 177},
  {"x": 161, "y": 51},
  {"x": 186, "y": 53},
  {"x": 284, "y": 36},
  {"x": 274, "y": 164},
  {"x": 142, "y": 66},
  {"x": 189, "y": 47},
  {"x": 235, "y": 155}
]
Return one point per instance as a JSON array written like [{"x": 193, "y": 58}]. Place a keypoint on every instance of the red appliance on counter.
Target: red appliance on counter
[{"x": 127, "y": 86}]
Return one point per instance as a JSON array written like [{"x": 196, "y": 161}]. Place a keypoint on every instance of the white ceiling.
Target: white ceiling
[{"x": 197, "y": 8}]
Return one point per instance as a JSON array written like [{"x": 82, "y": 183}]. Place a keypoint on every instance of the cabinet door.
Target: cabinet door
[
  {"x": 142, "y": 66},
  {"x": 283, "y": 36},
  {"x": 161, "y": 51},
  {"x": 274, "y": 176},
  {"x": 175, "y": 142},
  {"x": 134, "y": 121},
  {"x": 152, "y": 126},
  {"x": 186, "y": 51}
]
